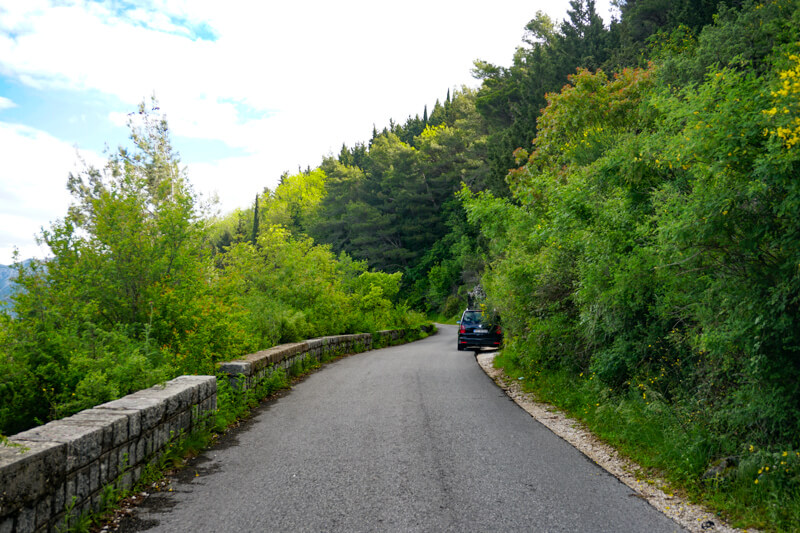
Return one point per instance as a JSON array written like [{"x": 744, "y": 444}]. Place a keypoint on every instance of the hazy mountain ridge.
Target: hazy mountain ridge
[
  {"x": 6, "y": 281},
  {"x": 7, "y": 286}
]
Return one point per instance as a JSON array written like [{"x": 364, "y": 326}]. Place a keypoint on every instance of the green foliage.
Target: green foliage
[
  {"x": 74, "y": 522},
  {"x": 646, "y": 238},
  {"x": 235, "y": 403},
  {"x": 291, "y": 289},
  {"x": 97, "y": 320},
  {"x": 295, "y": 200},
  {"x": 758, "y": 488},
  {"x": 134, "y": 294},
  {"x": 652, "y": 245},
  {"x": 393, "y": 205}
]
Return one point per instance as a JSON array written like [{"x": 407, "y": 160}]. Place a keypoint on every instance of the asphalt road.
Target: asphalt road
[{"x": 408, "y": 438}]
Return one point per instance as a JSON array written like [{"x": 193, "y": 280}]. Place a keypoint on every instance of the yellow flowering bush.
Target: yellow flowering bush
[{"x": 786, "y": 111}]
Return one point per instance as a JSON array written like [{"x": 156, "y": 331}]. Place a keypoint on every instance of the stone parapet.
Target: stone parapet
[
  {"x": 244, "y": 373},
  {"x": 66, "y": 463}
]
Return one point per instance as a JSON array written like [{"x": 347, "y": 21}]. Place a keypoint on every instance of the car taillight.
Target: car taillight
[
  {"x": 499, "y": 329},
  {"x": 462, "y": 329}
]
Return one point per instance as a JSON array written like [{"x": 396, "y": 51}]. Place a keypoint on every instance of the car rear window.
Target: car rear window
[{"x": 472, "y": 317}]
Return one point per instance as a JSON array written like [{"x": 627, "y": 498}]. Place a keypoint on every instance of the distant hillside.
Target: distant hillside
[
  {"x": 6, "y": 281},
  {"x": 7, "y": 285}
]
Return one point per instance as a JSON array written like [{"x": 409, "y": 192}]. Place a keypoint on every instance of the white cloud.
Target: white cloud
[
  {"x": 235, "y": 180},
  {"x": 5, "y": 103},
  {"x": 283, "y": 82},
  {"x": 378, "y": 60},
  {"x": 33, "y": 174},
  {"x": 117, "y": 118}
]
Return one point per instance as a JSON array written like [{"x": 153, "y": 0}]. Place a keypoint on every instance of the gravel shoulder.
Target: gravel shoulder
[{"x": 654, "y": 491}]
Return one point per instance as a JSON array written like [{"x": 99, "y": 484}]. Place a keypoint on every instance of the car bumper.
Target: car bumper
[{"x": 468, "y": 341}]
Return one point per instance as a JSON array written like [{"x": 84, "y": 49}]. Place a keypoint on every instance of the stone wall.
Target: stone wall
[
  {"x": 245, "y": 372},
  {"x": 46, "y": 468},
  {"x": 72, "y": 459}
]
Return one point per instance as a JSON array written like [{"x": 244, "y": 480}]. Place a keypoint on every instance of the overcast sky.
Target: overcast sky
[{"x": 250, "y": 89}]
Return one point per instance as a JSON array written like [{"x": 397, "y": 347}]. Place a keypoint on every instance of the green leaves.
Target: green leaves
[
  {"x": 396, "y": 209},
  {"x": 654, "y": 232},
  {"x": 133, "y": 296}
]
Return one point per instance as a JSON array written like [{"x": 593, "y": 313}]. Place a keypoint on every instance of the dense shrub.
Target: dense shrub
[
  {"x": 132, "y": 294},
  {"x": 653, "y": 241}
]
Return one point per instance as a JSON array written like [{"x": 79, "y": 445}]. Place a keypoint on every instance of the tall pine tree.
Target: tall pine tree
[{"x": 254, "y": 237}]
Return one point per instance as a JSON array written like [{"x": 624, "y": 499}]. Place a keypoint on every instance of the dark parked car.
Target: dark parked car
[{"x": 478, "y": 328}]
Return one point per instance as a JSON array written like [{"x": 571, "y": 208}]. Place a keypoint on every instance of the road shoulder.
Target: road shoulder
[{"x": 691, "y": 516}]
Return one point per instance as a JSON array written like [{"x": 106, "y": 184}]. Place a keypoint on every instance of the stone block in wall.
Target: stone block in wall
[
  {"x": 233, "y": 368},
  {"x": 83, "y": 440},
  {"x": 44, "y": 511},
  {"x": 59, "y": 498},
  {"x": 170, "y": 399},
  {"x": 84, "y": 483},
  {"x": 71, "y": 488},
  {"x": 26, "y": 520},
  {"x": 150, "y": 410},
  {"x": 203, "y": 386},
  {"x": 314, "y": 344},
  {"x": 7, "y": 526},
  {"x": 28, "y": 473},
  {"x": 118, "y": 426}
]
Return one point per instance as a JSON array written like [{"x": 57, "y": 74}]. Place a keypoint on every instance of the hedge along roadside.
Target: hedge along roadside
[{"x": 62, "y": 473}]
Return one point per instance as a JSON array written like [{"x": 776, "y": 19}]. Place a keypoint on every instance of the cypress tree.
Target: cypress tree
[
  {"x": 345, "y": 156},
  {"x": 254, "y": 237}
]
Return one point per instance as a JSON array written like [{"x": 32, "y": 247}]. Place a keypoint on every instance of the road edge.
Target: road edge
[{"x": 688, "y": 515}]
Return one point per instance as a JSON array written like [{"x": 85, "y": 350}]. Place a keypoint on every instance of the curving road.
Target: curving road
[{"x": 408, "y": 438}]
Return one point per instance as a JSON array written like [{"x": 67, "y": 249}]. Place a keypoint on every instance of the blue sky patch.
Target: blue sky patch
[
  {"x": 82, "y": 118},
  {"x": 204, "y": 150},
  {"x": 64, "y": 114},
  {"x": 196, "y": 31}
]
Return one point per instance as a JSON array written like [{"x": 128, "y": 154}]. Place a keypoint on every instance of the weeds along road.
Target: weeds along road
[{"x": 408, "y": 438}]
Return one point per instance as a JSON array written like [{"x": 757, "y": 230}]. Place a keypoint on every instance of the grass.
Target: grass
[{"x": 761, "y": 488}]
